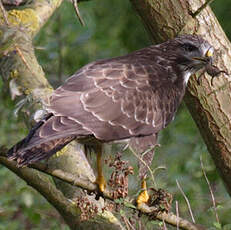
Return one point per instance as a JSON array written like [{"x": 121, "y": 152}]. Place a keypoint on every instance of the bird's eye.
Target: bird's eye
[
  {"x": 189, "y": 47},
  {"x": 209, "y": 52}
]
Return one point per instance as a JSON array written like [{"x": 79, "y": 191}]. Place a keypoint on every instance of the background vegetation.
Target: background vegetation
[{"x": 62, "y": 47}]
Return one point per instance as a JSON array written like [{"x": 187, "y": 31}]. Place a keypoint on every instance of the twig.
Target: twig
[
  {"x": 127, "y": 222},
  {"x": 71, "y": 179},
  {"x": 142, "y": 161},
  {"x": 24, "y": 60},
  {"x": 177, "y": 215},
  {"x": 44, "y": 186},
  {"x": 198, "y": 11},
  {"x": 158, "y": 168},
  {"x": 4, "y": 13},
  {"x": 139, "y": 224},
  {"x": 210, "y": 189},
  {"x": 164, "y": 225},
  {"x": 22, "y": 57},
  {"x": 75, "y": 4},
  {"x": 187, "y": 201},
  {"x": 169, "y": 218}
]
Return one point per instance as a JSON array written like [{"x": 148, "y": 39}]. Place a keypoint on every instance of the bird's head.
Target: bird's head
[{"x": 190, "y": 53}]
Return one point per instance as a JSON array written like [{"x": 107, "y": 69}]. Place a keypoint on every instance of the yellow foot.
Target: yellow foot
[
  {"x": 143, "y": 196},
  {"x": 101, "y": 182}
]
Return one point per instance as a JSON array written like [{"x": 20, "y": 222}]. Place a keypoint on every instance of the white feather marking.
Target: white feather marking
[
  {"x": 131, "y": 132},
  {"x": 116, "y": 124},
  {"x": 140, "y": 90},
  {"x": 122, "y": 109},
  {"x": 88, "y": 110},
  {"x": 124, "y": 85},
  {"x": 123, "y": 126},
  {"x": 187, "y": 75},
  {"x": 52, "y": 126},
  {"x": 70, "y": 78},
  {"x": 112, "y": 88},
  {"x": 96, "y": 84},
  {"x": 147, "y": 113},
  {"x": 153, "y": 114},
  {"x": 39, "y": 114},
  {"x": 146, "y": 120},
  {"x": 111, "y": 123},
  {"x": 136, "y": 112},
  {"x": 61, "y": 120}
]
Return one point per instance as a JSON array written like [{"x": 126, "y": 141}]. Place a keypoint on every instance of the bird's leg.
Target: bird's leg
[
  {"x": 143, "y": 196},
  {"x": 100, "y": 181}
]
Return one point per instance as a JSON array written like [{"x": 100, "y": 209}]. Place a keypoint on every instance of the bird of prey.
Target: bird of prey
[{"x": 129, "y": 97}]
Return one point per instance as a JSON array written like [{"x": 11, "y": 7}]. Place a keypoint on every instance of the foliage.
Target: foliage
[{"x": 63, "y": 46}]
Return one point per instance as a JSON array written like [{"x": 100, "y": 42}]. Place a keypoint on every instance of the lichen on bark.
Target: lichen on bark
[{"x": 20, "y": 69}]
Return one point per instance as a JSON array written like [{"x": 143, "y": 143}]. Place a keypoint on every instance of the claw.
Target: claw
[
  {"x": 143, "y": 196},
  {"x": 101, "y": 183}
]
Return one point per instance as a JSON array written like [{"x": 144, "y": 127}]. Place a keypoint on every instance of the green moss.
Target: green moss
[
  {"x": 61, "y": 152},
  {"x": 6, "y": 41},
  {"x": 14, "y": 74},
  {"x": 26, "y": 17}
]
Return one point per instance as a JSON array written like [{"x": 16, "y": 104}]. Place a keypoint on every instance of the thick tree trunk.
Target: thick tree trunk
[
  {"x": 209, "y": 105},
  {"x": 163, "y": 19}
]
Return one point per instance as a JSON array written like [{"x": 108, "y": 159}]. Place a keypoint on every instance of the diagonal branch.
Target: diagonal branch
[
  {"x": 18, "y": 63},
  {"x": 45, "y": 187},
  {"x": 28, "y": 174},
  {"x": 211, "y": 113}
]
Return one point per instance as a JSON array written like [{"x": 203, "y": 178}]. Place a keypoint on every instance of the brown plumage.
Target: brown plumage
[{"x": 129, "y": 97}]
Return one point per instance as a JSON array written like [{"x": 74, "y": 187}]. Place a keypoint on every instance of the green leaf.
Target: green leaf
[
  {"x": 219, "y": 207},
  {"x": 129, "y": 205},
  {"x": 155, "y": 222},
  {"x": 119, "y": 201},
  {"x": 122, "y": 213},
  {"x": 217, "y": 225}
]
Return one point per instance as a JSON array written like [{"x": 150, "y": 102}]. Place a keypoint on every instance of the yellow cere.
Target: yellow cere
[{"x": 209, "y": 52}]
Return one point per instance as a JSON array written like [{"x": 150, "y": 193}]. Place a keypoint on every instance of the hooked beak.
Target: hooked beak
[
  {"x": 205, "y": 60},
  {"x": 208, "y": 57}
]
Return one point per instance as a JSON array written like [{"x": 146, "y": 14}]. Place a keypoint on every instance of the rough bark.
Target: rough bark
[
  {"x": 18, "y": 65},
  {"x": 209, "y": 105}
]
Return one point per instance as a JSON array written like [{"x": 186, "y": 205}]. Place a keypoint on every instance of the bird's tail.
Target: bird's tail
[{"x": 31, "y": 149}]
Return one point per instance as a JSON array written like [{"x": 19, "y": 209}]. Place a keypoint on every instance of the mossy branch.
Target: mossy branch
[
  {"x": 19, "y": 67},
  {"x": 45, "y": 187},
  {"x": 32, "y": 177}
]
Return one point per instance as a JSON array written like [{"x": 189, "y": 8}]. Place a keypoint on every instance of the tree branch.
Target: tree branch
[
  {"x": 27, "y": 174},
  {"x": 18, "y": 64},
  {"x": 208, "y": 104},
  {"x": 45, "y": 187},
  {"x": 31, "y": 81}
]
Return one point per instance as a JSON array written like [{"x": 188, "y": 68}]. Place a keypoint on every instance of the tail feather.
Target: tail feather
[
  {"x": 40, "y": 152},
  {"x": 21, "y": 144},
  {"x": 36, "y": 147}
]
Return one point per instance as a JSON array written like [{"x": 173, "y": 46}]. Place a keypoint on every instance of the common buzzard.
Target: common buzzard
[{"x": 128, "y": 97}]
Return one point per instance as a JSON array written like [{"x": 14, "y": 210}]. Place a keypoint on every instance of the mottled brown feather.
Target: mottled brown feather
[{"x": 133, "y": 96}]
